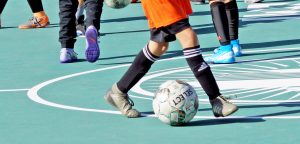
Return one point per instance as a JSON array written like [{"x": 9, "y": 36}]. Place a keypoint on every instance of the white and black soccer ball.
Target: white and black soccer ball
[
  {"x": 117, "y": 4},
  {"x": 175, "y": 102}
]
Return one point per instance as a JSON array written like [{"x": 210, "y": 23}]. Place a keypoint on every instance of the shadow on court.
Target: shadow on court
[
  {"x": 247, "y": 119},
  {"x": 262, "y": 106},
  {"x": 9, "y": 27},
  {"x": 208, "y": 122},
  {"x": 53, "y": 25}
]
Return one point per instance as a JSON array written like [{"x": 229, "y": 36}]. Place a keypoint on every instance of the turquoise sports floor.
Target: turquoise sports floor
[{"x": 45, "y": 102}]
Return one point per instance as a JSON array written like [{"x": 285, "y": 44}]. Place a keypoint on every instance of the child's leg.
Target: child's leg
[
  {"x": 224, "y": 53},
  {"x": 201, "y": 70},
  {"x": 220, "y": 21},
  {"x": 36, "y": 6},
  {"x": 40, "y": 19},
  {"x": 67, "y": 32},
  {"x": 2, "y": 5},
  {"x": 117, "y": 96},
  {"x": 93, "y": 12},
  {"x": 141, "y": 65},
  {"x": 232, "y": 13}
]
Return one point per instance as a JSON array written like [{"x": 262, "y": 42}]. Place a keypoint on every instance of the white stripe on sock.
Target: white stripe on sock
[
  {"x": 192, "y": 52},
  {"x": 148, "y": 55}
]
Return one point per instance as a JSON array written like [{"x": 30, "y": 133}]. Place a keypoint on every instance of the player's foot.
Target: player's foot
[
  {"x": 92, "y": 51},
  {"x": 252, "y": 1},
  {"x": 199, "y": 2},
  {"x": 221, "y": 107},
  {"x": 80, "y": 28},
  {"x": 236, "y": 48},
  {"x": 121, "y": 101},
  {"x": 223, "y": 55},
  {"x": 36, "y": 22},
  {"x": 67, "y": 55}
]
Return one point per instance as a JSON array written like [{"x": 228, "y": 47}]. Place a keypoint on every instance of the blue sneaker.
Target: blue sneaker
[
  {"x": 92, "y": 51},
  {"x": 236, "y": 48},
  {"x": 223, "y": 55},
  {"x": 67, "y": 55}
]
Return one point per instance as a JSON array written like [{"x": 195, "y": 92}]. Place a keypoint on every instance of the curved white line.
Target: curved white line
[{"x": 32, "y": 94}]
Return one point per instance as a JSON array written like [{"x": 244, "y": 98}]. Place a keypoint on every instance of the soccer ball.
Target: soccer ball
[
  {"x": 117, "y": 4},
  {"x": 175, "y": 102}
]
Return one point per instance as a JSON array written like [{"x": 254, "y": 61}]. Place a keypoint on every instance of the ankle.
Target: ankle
[
  {"x": 39, "y": 14},
  {"x": 236, "y": 41}
]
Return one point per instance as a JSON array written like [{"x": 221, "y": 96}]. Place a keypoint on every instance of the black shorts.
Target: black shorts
[{"x": 167, "y": 33}]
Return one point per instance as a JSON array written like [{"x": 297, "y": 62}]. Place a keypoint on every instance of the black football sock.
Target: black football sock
[
  {"x": 220, "y": 21},
  {"x": 137, "y": 70},
  {"x": 232, "y": 13},
  {"x": 202, "y": 71}
]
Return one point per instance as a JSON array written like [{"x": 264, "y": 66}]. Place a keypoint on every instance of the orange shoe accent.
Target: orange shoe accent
[
  {"x": 39, "y": 14},
  {"x": 36, "y": 22}
]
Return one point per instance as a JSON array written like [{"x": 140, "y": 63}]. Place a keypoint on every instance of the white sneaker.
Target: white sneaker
[
  {"x": 67, "y": 55},
  {"x": 221, "y": 107}
]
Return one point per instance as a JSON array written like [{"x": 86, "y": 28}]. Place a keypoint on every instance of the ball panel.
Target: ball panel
[
  {"x": 117, "y": 4},
  {"x": 175, "y": 102}
]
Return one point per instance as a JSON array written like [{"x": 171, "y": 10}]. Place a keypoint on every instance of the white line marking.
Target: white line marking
[
  {"x": 250, "y": 91},
  {"x": 13, "y": 90},
  {"x": 294, "y": 96},
  {"x": 278, "y": 64},
  {"x": 255, "y": 94},
  {"x": 296, "y": 61},
  {"x": 265, "y": 5},
  {"x": 266, "y": 67},
  {"x": 240, "y": 68},
  {"x": 274, "y": 95},
  {"x": 32, "y": 94},
  {"x": 273, "y": 50}
]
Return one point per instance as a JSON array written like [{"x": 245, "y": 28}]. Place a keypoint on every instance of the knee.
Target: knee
[{"x": 164, "y": 48}]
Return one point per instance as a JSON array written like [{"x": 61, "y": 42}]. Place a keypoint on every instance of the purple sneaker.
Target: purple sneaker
[{"x": 92, "y": 51}]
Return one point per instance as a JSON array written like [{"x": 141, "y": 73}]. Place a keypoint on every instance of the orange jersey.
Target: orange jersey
[{"x": 165, "y": 12}]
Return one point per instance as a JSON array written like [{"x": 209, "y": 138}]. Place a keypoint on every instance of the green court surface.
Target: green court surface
[{"x": 45, "y": 102}]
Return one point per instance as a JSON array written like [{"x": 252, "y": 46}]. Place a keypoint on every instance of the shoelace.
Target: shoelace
[
  {"x": 75, "y": 53},
  {"x": 229, "y": 97},
  {"x": 130, "y": 101},
  {"x": 36, "y": 21}
]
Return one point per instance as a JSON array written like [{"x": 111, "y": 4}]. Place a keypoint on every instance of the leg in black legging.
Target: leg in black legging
[
  {"x": 67, "y": 33},
  {"x": 2, "y": 5},
  {"x": 35, "y": 5},
  {"x": 93, "y": 12},
  {"x": 39, "y": 19}
]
